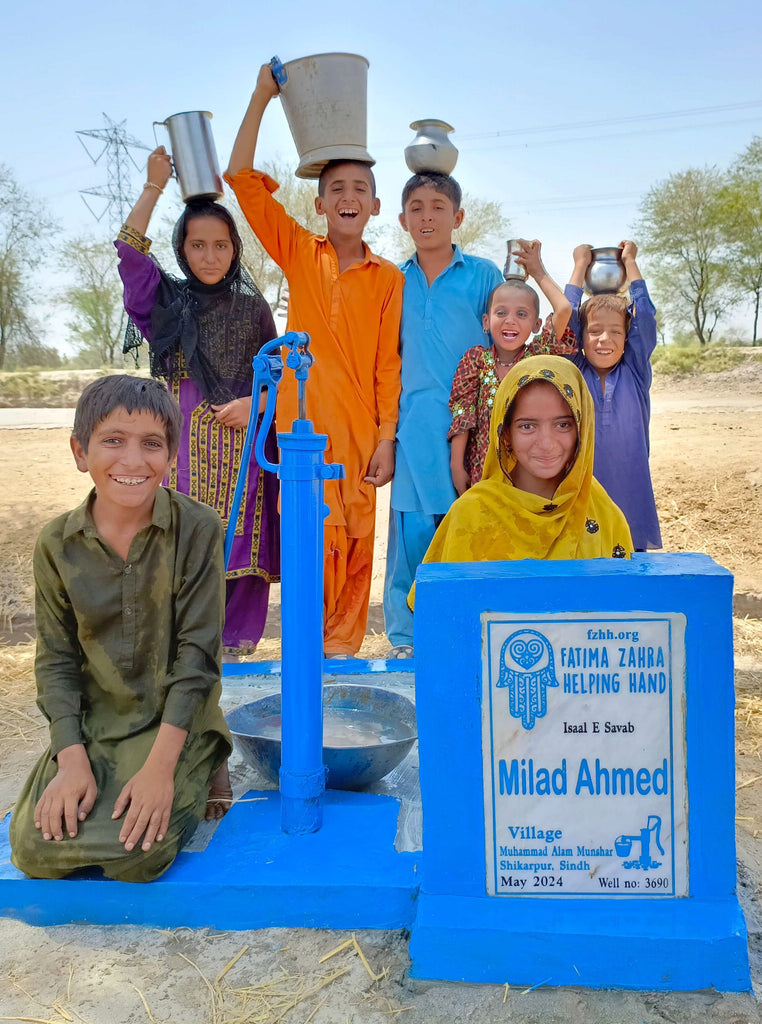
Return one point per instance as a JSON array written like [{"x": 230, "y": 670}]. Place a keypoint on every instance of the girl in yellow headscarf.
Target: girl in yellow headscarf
[{"x": 537, "y": 497}]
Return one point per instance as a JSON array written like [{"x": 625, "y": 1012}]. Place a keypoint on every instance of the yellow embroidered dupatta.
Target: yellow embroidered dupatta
[{"x": 495, "y": 521}]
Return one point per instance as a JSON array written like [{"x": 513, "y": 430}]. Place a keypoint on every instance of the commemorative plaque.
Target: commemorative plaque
[{"x": 583, "y": 741}]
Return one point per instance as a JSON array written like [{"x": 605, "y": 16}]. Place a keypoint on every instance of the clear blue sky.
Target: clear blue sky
[{"x": 523, "y": 69}]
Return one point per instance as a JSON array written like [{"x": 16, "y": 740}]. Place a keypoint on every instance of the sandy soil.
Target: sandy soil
[{"x": 707, "y": 470}]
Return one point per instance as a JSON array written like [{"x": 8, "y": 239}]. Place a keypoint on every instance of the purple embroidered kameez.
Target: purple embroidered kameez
[{"x": 207, "y": 466}]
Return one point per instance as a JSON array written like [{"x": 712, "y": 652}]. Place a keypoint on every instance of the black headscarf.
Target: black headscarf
[{"x": 216, "y": 328}]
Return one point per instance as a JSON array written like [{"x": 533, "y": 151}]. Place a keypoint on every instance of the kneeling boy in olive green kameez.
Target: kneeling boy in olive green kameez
[{"x": 129, "y": 607}]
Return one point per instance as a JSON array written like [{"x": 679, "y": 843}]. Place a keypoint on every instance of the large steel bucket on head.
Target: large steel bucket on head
[
  {"x": 325, "y": 98},
  {"x": 193, "y": 154}
]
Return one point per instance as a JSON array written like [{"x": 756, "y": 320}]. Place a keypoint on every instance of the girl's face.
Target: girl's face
[
  {"x": 208, "y": 248},
  {"x": 543, "y": 436},
  {"x": 512, "y": 317}
]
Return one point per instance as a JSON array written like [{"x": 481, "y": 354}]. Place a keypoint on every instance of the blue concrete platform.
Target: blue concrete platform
[
  {"x": 251, "y": 875},
  {"x": 680, "y": 945}
]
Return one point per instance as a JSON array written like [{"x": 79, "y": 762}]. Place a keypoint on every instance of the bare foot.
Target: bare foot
[{"x": 220, "y": 794}]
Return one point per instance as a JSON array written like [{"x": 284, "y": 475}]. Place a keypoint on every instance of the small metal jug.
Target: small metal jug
[
  {"x": 606, "y": 274},
  {"x": 193, "y": 154}
]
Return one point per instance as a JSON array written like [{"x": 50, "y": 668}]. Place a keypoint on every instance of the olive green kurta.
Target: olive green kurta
[{"x": 123, "y": 646}]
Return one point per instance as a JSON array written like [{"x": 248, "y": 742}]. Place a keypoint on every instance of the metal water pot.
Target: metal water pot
[
  {"x": 606, "y": 273},
  {"x": 431, "y": 150},
  {"x": 193, "y": 154}
]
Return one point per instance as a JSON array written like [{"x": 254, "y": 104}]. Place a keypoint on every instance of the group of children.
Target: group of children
[{"x": 433, "y": 376}]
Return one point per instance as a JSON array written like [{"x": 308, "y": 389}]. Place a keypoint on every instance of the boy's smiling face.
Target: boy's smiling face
[
  {"x": 347, "y": 202},
  {"x": 127, "y": 457},
  {"x": 603, "y": 339},
  {"x": 430, "y": 218}
]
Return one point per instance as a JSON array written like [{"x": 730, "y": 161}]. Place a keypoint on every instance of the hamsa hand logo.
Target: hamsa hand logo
[{"x": 527, "y": 668}]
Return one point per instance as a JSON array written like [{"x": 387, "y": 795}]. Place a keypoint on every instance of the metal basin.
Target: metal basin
[{"x": 367, "y": 731}]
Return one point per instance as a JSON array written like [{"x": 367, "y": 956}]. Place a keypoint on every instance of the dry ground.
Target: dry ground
[{"x": 707, "y": 470}]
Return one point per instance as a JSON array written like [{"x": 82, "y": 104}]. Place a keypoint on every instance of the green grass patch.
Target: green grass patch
[
  {"x": 49, "y": 389},
  {"x": 30, "y": 389},
  {"x": 671, "y": 359}
]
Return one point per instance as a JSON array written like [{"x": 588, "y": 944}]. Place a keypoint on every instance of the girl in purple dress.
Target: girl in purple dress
[{"x": 203, "y": 333}]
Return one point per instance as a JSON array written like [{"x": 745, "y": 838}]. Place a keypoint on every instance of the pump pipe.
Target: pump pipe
[{"x": 302, "y": 471}]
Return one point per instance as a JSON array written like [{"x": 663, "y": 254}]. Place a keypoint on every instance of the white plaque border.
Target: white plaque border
[{"x": 676, "y": 624}]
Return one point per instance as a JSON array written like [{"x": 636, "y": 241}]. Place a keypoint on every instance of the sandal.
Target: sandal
[
  {"x": 220, "y": 794},
  {"x": 401, "y": 651}
]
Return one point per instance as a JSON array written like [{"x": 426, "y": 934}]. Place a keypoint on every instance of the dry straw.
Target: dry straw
[
  {"x": 19, "y": 718},
  {"x": 271, "y": 1001}
]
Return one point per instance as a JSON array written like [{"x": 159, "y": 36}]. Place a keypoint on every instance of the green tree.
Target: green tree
[
  {"x": 297, "y": 196},
  {"x": 24, "y": 227},
  {"x": 94, "y": 300},
  {"x": 23, "y": 354},
  {"x": 681, "y": 231},
  {"x": 485, "y": 227},
  {"x": 741, "y": 212}
]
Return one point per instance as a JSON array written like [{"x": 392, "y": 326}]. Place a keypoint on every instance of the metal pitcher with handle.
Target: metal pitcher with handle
[{"x": 193, "y": 155}]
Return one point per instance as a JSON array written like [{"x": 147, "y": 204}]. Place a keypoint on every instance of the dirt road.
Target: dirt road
[{"x": 707, "y": 470}]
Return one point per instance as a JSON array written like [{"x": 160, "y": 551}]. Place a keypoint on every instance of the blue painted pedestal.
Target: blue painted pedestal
[
  {"x": 691, "y": 941},
  {"x": 253, "y": 875}
]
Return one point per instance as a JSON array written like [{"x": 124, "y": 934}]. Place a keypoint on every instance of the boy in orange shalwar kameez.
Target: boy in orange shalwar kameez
[{"x": 349, "y": 302}]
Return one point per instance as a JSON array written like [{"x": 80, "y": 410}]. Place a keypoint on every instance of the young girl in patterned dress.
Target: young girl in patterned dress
[{"x": 512, "y": 317}]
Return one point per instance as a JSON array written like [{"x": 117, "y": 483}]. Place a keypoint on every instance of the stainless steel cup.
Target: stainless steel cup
[{"x": 512, "y": 269}]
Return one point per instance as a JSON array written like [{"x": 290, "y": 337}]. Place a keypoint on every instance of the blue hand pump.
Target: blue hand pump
[{"x": 302, "y": 471}]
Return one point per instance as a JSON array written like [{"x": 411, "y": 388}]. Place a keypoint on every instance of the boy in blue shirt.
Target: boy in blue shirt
[
  {"x": 445, "y": 296},
  {"x": 615, "y": 359}
]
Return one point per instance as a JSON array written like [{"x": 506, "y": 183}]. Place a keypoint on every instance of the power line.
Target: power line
[
  {"x": 602, "y": 197},
  {"x": 630, "y": 119},
  {"x": 604, "y": 122},
  {"x": 671, "y": 130}
]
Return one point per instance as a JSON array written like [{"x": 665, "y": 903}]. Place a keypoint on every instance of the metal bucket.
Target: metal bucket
[
  {"x": 193, "y": 154},
  {"x": 325, "y": 100}
]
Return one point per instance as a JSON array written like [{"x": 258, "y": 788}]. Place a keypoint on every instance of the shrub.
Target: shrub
[
  {"x": 715, "y": 358},
  {"x": 26, "y": 389}
]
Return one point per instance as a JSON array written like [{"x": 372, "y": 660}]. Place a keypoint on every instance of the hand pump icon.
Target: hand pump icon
[{"x": 623, "y": 845}]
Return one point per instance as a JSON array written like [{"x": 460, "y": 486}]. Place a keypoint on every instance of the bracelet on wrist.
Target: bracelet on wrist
[
  {"x": 152, "y": 184},
  {"x": 132, "y": 237}
]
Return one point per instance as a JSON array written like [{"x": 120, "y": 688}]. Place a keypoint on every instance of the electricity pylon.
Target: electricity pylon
[{"x": 118, "y": 192}]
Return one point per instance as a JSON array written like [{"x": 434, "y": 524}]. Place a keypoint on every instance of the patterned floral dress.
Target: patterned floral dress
[{"x": 475, "y": 385}]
